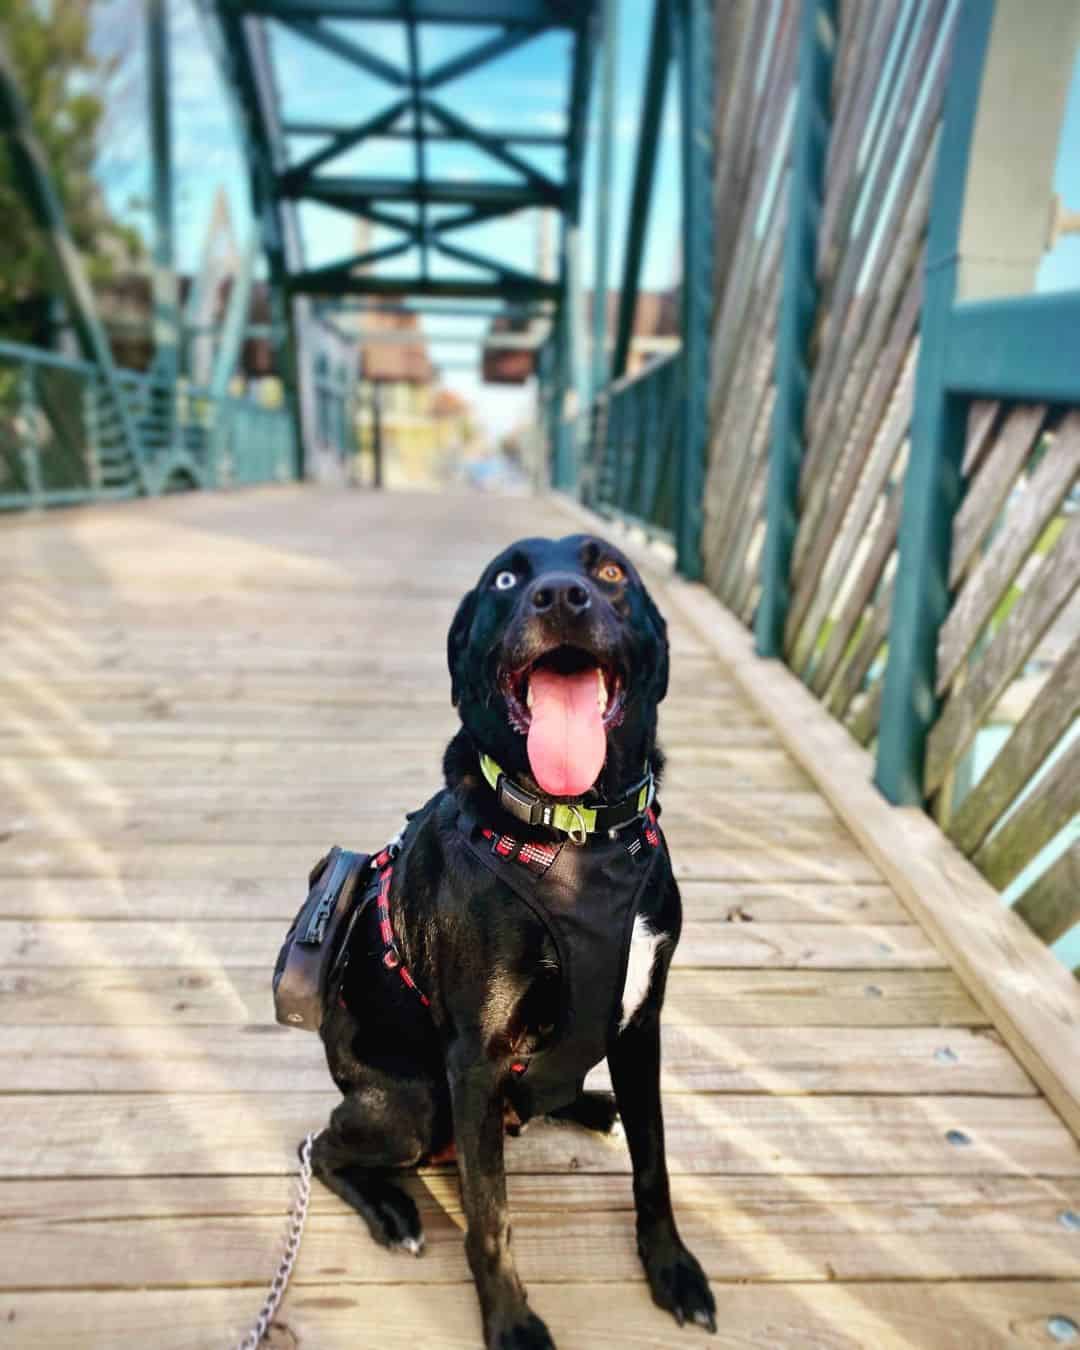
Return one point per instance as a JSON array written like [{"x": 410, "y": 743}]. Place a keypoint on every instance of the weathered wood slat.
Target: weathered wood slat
[
  {"x": 849, "y": 678},
  {"x": 58, "y": 826},
  {"x": 994, "y": 478},
  {"x": 933, "y": 1316},
  {"x": 291, "y": 863},
  {"x": 989, "y": 580},
  {"x": 1038, "y": 731},
  {"x": 1051, "y": 905},
  {"x": 264, "y": 1057},
  {"x": 983, "y": 416},
  {"x": 155, "y": 996},
  {"x": 225, "y": 1134},
  {"x": 860, "y": 592},
  {"x": 1051, "y": 588},
  {"x": 255, "y": 942},
  {"x": 263, "y": 768},
  {"x": 1048, "y": 808},
  {"x": 859, "y": 486},
  {"x": 262, "y": 898},
  {"x": 1035, "y": 1003},
  {"x": 773, "y": 1229}
]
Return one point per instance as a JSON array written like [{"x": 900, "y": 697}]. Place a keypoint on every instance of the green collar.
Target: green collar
[{"x": 572, "y": 818}]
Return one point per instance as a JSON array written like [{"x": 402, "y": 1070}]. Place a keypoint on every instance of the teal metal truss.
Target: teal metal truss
[{"x": 418, "y": 100}]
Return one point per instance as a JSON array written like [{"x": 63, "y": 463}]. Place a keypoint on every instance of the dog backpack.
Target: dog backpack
[{"x": 337, "y": 886}]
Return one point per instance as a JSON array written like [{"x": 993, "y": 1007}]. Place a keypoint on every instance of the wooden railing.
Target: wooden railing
[
  {"x": 1009, "y": 663},
  {"x": 893, "y": 478}
]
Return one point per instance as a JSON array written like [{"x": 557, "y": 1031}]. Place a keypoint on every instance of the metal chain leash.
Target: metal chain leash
[{"x": 295, "y": 1232}]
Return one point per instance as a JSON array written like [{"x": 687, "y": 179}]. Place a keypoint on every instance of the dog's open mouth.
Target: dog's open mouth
[{"x": 564, "y": 703}]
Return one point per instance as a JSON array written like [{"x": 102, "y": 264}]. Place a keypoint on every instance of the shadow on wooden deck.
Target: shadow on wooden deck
[{"x": 197, "y": 696}]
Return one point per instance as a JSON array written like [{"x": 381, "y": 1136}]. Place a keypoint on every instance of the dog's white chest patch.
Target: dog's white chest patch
[{"x": 644, "y": 944}]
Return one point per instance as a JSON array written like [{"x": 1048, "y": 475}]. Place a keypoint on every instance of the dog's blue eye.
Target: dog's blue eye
[{"x": 505, "y": 580}]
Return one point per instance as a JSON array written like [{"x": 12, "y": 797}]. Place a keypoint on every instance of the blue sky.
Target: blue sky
[{"x": 526, "y": 88}]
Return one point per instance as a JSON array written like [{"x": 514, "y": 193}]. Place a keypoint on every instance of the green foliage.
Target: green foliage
[{"x": 63, "y": 83}]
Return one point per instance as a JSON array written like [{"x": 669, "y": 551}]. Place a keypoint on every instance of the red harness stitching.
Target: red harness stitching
[{"x": 391, "y": 956}]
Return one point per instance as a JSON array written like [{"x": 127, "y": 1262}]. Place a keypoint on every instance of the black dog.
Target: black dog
[{"x": 523, "y": 926}]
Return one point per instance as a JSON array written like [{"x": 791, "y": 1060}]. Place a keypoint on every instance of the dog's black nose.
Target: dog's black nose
[{"x": 559, "y": 592}]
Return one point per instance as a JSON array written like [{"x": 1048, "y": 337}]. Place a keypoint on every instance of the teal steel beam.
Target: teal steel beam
[
  {"x": 933, "y": 485},
  {"x": 571, "y": 371},
  {"x": 165, "y": 285},
  {"x": 31, "y": 173},
  {"x": 504, "y": 271},
  {"x": 467, "y": 132},
  {"x": 504, "y": 136},
  {"x": 1025, "y": 348},
  {"x": 692, "y": 40},
  {"x": 342, "y": 189},
  {"x": 479, "y": 55},
  {"x": 349, "y": 50},
  {"x": 345, "y": 140},
  {"x": 462, "y": 288},
  {"x": 340, "y": 271},
  {"x": 412, "y": 40},
  {"x": 798, "y": 305},
  {"x": 652, "y": 109},
  {"x": 503, "y": 13},
  {"x": 609, "y": 58},
  {"x": 246, "y": 74}
]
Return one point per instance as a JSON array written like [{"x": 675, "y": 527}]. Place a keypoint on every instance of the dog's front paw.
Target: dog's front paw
[
  {"x": 678, "y": 1283},
  {"x": 526, "y": 1333}
]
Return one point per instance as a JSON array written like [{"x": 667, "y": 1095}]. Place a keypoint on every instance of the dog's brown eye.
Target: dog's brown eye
[{"x": 611, "y": 572}]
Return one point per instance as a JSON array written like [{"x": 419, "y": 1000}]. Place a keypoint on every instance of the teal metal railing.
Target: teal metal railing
[
  {"x": 65, "y": 439},
  {"x": 630, "y": 444}
]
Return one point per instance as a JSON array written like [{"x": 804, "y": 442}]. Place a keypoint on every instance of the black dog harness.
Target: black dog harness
[{"x": 586, "y": 898}]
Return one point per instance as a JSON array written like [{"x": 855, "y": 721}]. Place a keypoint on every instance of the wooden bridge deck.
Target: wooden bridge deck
[{"x": 196, "y": 696}]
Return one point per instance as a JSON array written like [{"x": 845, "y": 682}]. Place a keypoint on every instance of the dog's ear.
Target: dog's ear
[
  {"x": 659, "y": 626},
  {"x": 457, "y": 640}
]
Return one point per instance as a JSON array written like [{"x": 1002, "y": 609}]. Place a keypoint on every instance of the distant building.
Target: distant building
[{"x": 655, "y": 333}]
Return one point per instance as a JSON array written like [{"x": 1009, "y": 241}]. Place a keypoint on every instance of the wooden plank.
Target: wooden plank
[
  {"x": 989, "y": 579},
  {"x": 263, "y": 1057},
  {"x": 1038, "y": 731},
  {"x": 852, "y": 672},
  {"x": 1032, "y": 999},
  {"x": 262, "y": 768},
  {"x": 1047, "y": 808},
  {"x": 765, "y": 1229},
  {"x": 856, "y": 603},
  {"x": 862, "y": 478},
  {"x": 259, "y": 897},
  {"x": 291, "y": 863},
  {"x": 982, "y": 423},
  {"x": 1051, "y": 589},
  {"x": 988, "y": 491},
  {"x": 736, "y": 824},
  {"x": 125, "y": 1134},
  {"x": 610, "y": 1316},
  {"x": 230, "y": 944},
  {"x": 1051, "y": 905},
  {"x": 157, "y": 996}
]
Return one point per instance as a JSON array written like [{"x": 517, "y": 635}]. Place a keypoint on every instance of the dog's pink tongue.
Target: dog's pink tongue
[{"x": 566, "y": 744}]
